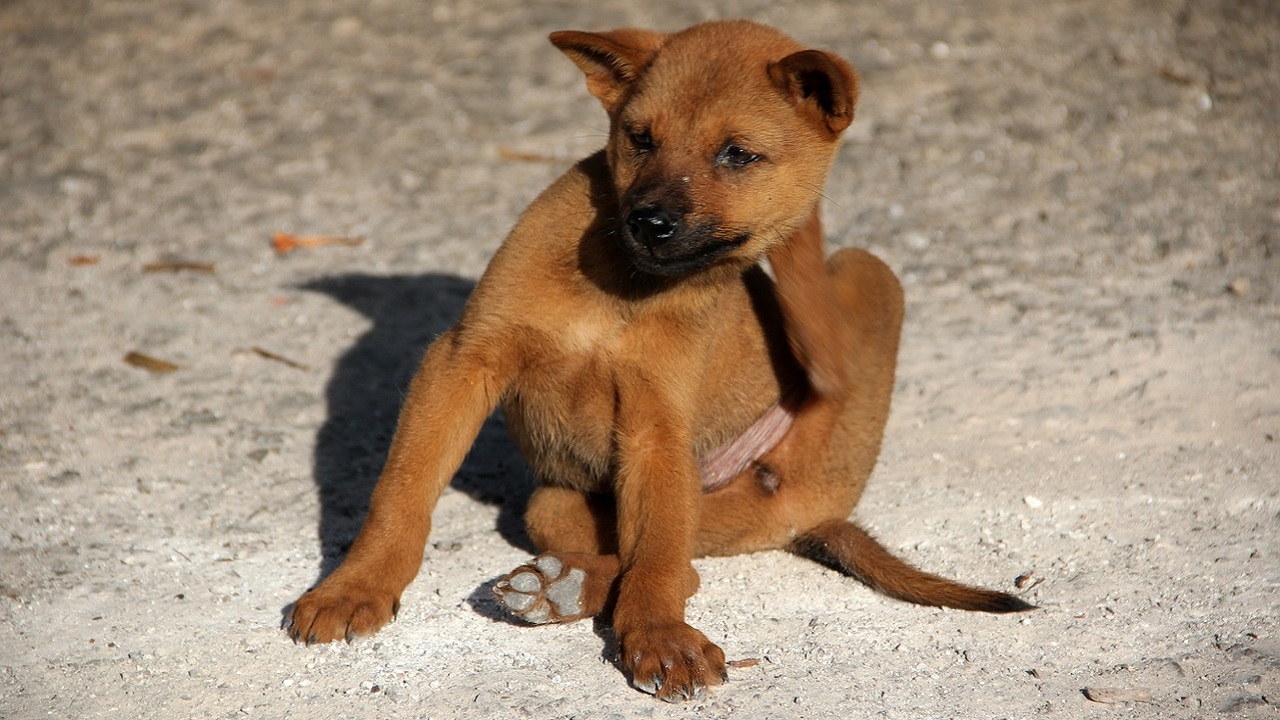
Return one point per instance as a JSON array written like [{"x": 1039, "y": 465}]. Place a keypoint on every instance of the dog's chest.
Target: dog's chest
[
  {"x": 596, "y": 359},
  {"x": 561, "y": 410}
]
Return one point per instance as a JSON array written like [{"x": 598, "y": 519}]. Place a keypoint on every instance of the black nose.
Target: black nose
[{"x": 652, "y": 226}]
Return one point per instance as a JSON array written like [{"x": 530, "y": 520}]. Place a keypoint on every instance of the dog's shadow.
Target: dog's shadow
[{"x": 364, "y": 396}]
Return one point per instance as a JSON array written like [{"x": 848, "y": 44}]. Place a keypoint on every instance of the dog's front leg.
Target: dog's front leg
[
  {"x": 452, "y": 393},
  {"x": 658, "y": 496}
]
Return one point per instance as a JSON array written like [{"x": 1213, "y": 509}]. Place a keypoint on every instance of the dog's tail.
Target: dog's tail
[{"x": 848, "y": 549}]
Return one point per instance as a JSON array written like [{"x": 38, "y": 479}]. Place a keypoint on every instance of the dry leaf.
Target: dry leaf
[
  {"x": 179, "y": 266},
  {"x": 148, "y": 363},
  {"x": 278, "y": 358}
]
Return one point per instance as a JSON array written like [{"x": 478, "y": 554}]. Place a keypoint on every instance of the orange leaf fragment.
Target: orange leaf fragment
[{"x": 285, "y": 242}]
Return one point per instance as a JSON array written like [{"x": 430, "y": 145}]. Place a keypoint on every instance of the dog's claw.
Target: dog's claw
[{"x": 650, "y": 688}]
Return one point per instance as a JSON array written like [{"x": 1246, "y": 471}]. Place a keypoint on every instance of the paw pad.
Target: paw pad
[{"x": 544, "y": 591}]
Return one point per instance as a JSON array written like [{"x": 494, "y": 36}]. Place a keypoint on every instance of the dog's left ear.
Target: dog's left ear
[
  {"x": 610, "y": 60},
  {"x": 823, "y": 86}
]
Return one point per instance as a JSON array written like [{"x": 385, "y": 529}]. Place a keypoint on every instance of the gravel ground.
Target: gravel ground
[{"x": 1082, "y": 198}]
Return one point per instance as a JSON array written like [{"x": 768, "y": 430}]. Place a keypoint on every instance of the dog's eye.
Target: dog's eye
[
  {"x": 735, "y": 156},
  {"x": 641, "y": 140}
]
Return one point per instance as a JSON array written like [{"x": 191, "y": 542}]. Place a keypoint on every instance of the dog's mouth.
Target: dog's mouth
[
  {"x": 654, "y": 262},
  {"x": 682, "y": 253}
]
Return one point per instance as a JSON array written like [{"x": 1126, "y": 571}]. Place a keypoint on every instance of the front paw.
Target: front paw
[
  {"x": 671, "y": 661},
  {"x": 340, "y": 611}
]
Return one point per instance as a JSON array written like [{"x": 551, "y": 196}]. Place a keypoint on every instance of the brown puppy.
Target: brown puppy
[{"x": 672, "y": 399}]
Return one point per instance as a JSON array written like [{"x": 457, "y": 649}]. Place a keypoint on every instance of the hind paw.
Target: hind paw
[{"x": 547, "y": 590}]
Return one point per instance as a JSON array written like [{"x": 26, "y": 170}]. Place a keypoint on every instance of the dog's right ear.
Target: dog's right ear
[{"x": 610, "y": 60}]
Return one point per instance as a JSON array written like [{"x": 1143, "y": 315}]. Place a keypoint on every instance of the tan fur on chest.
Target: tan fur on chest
[
  {"x": 561, "y": 414},
  {"x": 561, "y": 409}
]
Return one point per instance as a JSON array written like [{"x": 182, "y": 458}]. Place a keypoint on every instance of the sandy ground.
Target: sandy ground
[{"x": 1081, "y": 196}]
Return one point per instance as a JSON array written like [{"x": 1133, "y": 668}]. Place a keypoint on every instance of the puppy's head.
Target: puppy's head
[{"x": 720, "y": 138}]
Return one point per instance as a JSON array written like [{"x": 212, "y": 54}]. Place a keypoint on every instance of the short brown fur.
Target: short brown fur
[{"x": 628, "y": 332}]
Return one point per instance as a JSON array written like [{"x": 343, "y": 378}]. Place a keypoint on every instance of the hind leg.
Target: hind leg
[
  {"x": 573, "y": 576},
  {"x": 561, "y": 519},
  {"x": 870, "y": 300},
  {"x": 818, "y": 471},
  {"x": 801, "y": 495}
]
